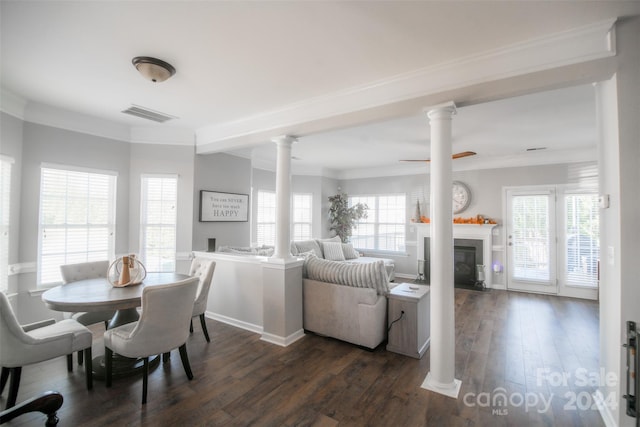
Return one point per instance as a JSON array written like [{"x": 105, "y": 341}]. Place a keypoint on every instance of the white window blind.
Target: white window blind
[
  {"x": 302, "y": 222},
  {"x": 582, "y": 238},
  {"x": 530, "y": 217},
  {"x": 385, "y": 225},
  {"x": 77, "y": 219},
  {"x": 5, "y": 200},
  {"x": 158, "y": 212},
  {"x": 266, "y": 218}
]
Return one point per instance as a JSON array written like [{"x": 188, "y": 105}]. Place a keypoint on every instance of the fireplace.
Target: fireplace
[
  {"x": 478, "y": 237},
  {"x": 467, "y": 254}
]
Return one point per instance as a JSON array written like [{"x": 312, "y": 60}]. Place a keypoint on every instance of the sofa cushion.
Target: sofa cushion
[
  {"x": 309, "y": 245},
  {"x": 349, "y": 251},
  {"x": 333, "y": 251},
  {"x": 369, "y": 275}
]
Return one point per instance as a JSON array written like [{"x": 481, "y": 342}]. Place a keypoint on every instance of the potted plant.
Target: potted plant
[{"x": 343, "y": 217}]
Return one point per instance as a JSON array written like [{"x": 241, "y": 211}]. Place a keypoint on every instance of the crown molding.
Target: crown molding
[
  {"x": 48, "y": 115},
  {"x": 12, "y": 104},
  {"x": 165, "y": 135},
  {"x": 574, "y": 46}
]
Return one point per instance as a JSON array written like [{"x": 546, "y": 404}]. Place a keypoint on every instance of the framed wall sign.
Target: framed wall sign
[{"x": 216, "y": 206}]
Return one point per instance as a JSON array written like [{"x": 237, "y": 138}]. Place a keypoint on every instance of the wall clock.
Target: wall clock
[{"x": 461, "y": 197}]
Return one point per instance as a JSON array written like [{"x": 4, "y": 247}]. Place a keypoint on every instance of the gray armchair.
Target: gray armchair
[
  {"x": 81, "y": 271},
  {"x": 162, "y": 327},
  {"x": 203, "y": 269},
  {"x": 37, "y": 342}
]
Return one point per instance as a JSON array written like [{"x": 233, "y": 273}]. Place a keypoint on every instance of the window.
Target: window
[
  {"x": 384, "y": 227},
  {"x": 266, "y": 218},
  {"x": 531, "y": 237},
  {"x": 5, "y": 199},
  {"x": 158, "y": 213},
  {"x": 302, "y": 224},
  {"x": 582, "y": 236},
  {"x": 77, "y": 218}
]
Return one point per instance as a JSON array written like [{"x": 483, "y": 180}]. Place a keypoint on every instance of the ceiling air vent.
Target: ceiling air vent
[{"x": 146, "y": 113}]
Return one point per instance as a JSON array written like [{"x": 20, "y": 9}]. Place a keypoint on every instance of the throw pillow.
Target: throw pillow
[
  {"x": 331, "y": 239},
  {"x": 309, "y": 245},
  {"x": 349, "y": 252},
  {"x": 333, "y": 251}
]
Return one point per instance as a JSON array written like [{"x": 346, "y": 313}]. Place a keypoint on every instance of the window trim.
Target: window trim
[
  {"x": 294, "y": 222},
  {"x": 376, "y": 224},
  {"x": 143, "y": 224},
  {"x": 5, "y": 228},
  {"x": 111, "y": 225}
]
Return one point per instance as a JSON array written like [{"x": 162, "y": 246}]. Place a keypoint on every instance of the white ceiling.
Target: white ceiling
[{"x": 240, "y": 59}]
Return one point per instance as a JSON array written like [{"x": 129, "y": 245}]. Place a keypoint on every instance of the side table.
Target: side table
[{"x": 409, "y": 332}]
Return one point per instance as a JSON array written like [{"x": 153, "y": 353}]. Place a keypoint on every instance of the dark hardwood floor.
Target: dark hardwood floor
[{"x": 512, "y": 344}]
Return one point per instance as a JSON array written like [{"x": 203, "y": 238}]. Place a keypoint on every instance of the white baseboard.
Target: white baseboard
[
  {"x": 234, "y": 322},
  {"x": 282, "y": 341}
]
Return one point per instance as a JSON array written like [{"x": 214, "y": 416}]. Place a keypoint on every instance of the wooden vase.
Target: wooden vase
[{"x": 125, "y": 277}]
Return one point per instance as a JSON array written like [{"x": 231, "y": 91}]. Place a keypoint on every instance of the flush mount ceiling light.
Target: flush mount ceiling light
[{"x": 153, "y": 69}]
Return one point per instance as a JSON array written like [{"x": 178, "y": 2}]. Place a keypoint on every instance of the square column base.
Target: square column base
[{"x": 452, "y": 391}]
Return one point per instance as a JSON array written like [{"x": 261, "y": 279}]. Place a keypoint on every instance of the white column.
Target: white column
[
  {"x": 282, "y": 273},
  {"x": 283, "y": 197},
  {"x": 442, "y": 368}
]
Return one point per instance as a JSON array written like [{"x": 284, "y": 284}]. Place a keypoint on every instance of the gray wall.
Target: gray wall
[
  {"x": 227, "y": 174},
  {"x": 44, "y": 144}
]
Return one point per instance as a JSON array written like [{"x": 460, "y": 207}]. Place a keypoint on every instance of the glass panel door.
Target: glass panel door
[
  {"x": 580, "y": 253},
  {"x": 531, "y": 240}
]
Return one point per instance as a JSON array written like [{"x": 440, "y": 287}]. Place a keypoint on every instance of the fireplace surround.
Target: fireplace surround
[{"x": 468, "y": 239}]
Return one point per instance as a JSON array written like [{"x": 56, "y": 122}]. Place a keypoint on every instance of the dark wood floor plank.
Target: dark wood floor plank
[{"x": 506, "y": 342}]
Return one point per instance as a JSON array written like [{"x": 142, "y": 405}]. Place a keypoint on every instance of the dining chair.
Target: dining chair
[
  {"x": 37, "y": 342},
  {"x": 203, "y": 269},
  {"x": 82, "y": 271},
  {"x": 162, "y": 327}
]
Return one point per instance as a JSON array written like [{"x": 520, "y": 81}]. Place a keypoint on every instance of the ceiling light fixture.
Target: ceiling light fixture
[{"x": 153, "y": 69}]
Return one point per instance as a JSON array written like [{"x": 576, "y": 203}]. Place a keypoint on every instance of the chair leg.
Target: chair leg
[
  {"x": 3, "y": 378},
  {"x": 204, "y": 327},
  {"x": 14, "y": 384},
  {"x": 191, "y": 325},
  {"x": 70, "y": 362},
  {"x": 185, "y": 361},
  {"x": 145, "y": 379},
  {"x": 166, "y": 357},
  {"x": 106, "y": 325},
  {"x": 88, "y": 368},
  {"x": 108, "y": 365},
  {"x": 80, "y": 357}
]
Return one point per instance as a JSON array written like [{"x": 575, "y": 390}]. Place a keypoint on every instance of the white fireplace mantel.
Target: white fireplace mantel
[{"x": 464, "y": 231}]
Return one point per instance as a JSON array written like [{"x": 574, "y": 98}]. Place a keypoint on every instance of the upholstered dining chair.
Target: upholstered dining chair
[
  {"x": 162, "y": 327},
  {"x": 203, "y": 269},
  {"x": 81, "y": 271},
  {"x": 37, "y": 342}
]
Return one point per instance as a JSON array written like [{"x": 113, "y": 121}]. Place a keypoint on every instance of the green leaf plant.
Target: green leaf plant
[{"x": 344, "y": 218}]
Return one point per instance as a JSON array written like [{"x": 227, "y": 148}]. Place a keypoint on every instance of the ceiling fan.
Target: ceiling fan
[{"x": 455, "y": 156}]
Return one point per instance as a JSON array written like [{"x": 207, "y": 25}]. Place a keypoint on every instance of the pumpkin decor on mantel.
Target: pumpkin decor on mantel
[{"x": 478, "y": 220}]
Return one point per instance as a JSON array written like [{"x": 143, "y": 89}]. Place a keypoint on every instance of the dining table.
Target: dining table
[{"x": 98, "y": 294}]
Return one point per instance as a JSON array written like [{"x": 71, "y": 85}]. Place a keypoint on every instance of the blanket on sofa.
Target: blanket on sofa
[{"x": 369, "y": 275}]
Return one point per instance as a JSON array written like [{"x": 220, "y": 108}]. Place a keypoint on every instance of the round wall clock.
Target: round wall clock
[{"x": 461, "y": 197}]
